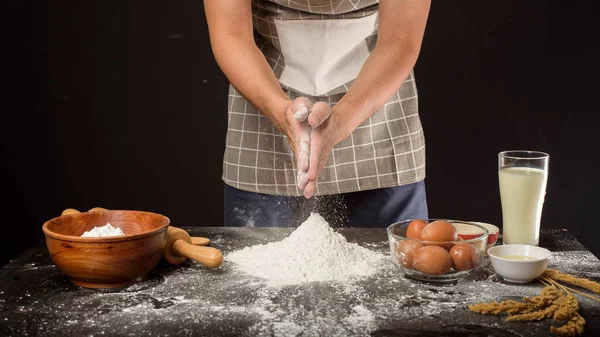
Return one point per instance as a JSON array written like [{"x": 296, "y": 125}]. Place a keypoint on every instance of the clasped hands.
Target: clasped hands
[{"x": 312, "y": 132}]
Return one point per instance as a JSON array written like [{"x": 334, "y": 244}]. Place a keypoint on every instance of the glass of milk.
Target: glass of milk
[{"x": 523, "y": 176}]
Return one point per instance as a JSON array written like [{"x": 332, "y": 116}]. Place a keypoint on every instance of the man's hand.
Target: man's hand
[
  {"x": 298, "y": 132},
  {"x": 326, "y": 133},
  {"x": 312, "y": 131}
]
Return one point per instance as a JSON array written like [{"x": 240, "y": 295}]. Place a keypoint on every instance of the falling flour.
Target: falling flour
[
  {"x": 107, "y": 230},
  {"x": 313, "y": 252}
]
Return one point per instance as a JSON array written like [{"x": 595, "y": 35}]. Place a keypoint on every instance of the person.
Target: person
[{"x": 322, "y": 102}]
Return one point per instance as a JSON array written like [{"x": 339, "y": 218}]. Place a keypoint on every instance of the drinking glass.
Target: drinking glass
[{"x": 523, "y": 176}]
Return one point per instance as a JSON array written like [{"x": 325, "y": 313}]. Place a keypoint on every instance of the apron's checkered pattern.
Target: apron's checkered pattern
[{"x": 386, "y": 150}]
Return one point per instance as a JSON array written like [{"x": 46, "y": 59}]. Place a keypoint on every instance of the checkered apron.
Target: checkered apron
[{"x": 316, "y": 48}]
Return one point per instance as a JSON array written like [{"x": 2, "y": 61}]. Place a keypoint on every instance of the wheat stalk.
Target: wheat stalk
[
  {"x": 573, "y": 280},
  {"x": 555, "y": 301},
  {"x": 543, "y": 277}
]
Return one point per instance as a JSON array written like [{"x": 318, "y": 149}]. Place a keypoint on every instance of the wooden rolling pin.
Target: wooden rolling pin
[
  {"x": 180, "y": 245},
  {"x": 179, "y": 248},
  {"x": 199, "y": 241}
]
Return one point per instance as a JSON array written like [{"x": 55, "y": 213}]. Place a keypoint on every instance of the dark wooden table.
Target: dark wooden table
[{"x": 190, "y": 300}]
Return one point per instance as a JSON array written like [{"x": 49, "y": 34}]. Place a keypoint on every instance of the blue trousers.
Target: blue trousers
[{"x": 376, "y": 208}]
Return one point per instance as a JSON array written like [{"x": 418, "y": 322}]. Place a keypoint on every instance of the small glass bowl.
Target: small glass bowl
[{"x": 397, "y": 239}]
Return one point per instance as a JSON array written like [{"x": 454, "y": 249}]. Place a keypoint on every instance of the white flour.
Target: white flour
[
  {"x": 313, "y": 252},
  {"x": 196, "y": 301},
  {"x": 107, "y": 230}
]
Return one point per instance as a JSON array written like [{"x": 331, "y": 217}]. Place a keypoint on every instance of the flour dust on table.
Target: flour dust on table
[
  {"x": 192, "y": 300},
  {"x": 313, "y": 252}
]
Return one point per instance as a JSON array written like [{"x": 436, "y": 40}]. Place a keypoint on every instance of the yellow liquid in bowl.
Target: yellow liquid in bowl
[{"x": 518, "y": 257}]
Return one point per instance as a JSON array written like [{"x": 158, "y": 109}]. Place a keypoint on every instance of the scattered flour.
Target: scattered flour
[
  {"x": 107, "y": 230},
  {"x": 360, "y": 319},
  {"x": 195, "y": 301},
  {"x": 313, "y": 252}
]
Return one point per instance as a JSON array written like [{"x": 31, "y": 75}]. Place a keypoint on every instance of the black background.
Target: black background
[{"x": 120, "y": 104}]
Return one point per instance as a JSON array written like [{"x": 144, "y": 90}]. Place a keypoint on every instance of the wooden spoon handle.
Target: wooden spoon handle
[
  {"x": 207, "y": 256},
  {"x": 74, "y": 211},
  {"x": 198, "y": 241},
  {"x": 69, "y": 211}
]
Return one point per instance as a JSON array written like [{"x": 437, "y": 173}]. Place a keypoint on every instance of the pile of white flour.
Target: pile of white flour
[
  {"x": 313, "y": 252},
  {"x": 107, "y": 230}
]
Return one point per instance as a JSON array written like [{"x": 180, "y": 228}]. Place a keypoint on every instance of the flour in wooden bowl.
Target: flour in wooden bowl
[
  {"x": 313, "y": 252},
  {"x": 99, "y": 232}
]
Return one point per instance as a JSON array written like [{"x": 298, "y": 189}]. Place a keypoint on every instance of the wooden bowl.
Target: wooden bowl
[{"x": 106, "y": 262}]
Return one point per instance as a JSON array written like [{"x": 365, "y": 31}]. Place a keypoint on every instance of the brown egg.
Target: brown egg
[
  {"x": 432, "y": 260},
  {"x": 414, "y": 229},
  {"x": 405, "y": 250},
  {"x": 438, "y": 231},
  {"x": 464, "y": 256}
]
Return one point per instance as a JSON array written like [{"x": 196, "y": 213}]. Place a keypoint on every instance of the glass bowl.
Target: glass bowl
[{"x": 438, "y": 261}]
